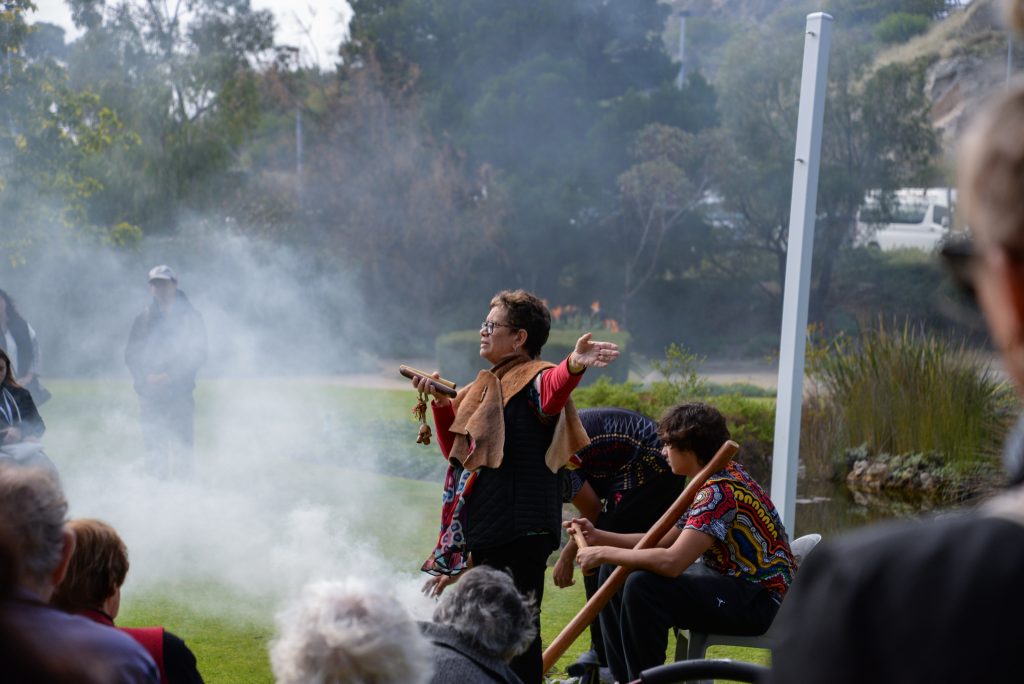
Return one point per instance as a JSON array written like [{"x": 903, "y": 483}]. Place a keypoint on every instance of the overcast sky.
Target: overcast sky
[{"x": 316, "y": 26}]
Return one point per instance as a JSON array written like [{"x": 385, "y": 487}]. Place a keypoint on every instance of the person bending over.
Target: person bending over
[
  {"x": 723, "y": 568},
  {"x": 92, "y": 589},
  {"x": 621, "y": 482}
]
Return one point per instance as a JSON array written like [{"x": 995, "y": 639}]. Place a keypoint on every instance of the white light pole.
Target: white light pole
[{"x": 803, "y": 207}]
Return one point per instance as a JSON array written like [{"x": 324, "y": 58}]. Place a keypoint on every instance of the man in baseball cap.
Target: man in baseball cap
[{"x": 166, "y": 348}]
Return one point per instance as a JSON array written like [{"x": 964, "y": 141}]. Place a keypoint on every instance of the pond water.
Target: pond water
[{"x": 830, "y": 508}]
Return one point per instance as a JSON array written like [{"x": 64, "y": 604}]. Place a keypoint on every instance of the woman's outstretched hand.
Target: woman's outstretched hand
[{"x": 591, "y": 354}]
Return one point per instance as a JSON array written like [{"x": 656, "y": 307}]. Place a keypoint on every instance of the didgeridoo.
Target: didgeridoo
[
  {"x": 593, "y": 607},
  {"x": 446, "y": 387}
]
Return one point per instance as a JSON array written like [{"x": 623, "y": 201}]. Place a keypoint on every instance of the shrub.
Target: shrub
[
  {"x": 899, "y": 390},
  {"x": 458, "y": 354},
  {"x": 900, "y": 27}
]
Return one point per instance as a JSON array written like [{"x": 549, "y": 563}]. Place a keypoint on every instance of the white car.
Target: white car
[{"x": 917, "y": 218}]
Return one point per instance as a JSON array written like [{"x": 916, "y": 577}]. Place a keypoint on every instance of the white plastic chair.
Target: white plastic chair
[{"x": 693, "y": 645}]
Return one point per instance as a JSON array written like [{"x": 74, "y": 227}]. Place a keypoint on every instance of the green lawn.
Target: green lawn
[{"x": 282, "y": 495}]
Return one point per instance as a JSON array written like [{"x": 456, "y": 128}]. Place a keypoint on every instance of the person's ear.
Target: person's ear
[
  {"x": 520, "y": 338},
  {"x": 67, "y": 550}
]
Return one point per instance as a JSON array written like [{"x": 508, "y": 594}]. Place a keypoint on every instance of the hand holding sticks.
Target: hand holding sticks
[
  {"x": 593, "y": 607},
  {"x": 445, "y": 387}
]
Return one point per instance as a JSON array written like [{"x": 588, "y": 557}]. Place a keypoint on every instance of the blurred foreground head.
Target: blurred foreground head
[
  {"x": 348, "y": 633},
  {"x": 33, "y": 508},
  {"x": 1014, "y": 10},
  {"x": 991, "y": 179},
  {"x": 485, "y": 608}
]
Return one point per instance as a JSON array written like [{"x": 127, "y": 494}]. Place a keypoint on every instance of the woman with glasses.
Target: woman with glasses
[
  {"x": 21, "y": 427},
  {"x": 505, "y": 436}
]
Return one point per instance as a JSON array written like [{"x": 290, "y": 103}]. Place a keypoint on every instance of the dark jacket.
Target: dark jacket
[
  {"x": 522, "y": 496},
  {"x": 171, "y": 342},
  {"x": 458, "y": 662},
  {"x": 24, "y": 415},
  {"x": 111, "y": 655}
]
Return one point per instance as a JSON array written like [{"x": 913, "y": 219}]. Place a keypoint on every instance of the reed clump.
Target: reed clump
[{"x": 897, "y": 389}]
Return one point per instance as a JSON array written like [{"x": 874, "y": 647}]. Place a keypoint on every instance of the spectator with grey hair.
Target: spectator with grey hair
[
  {"x": 33, "y": 508},
  {"x": 348, "y": 633},
  {"x": 481, "y": 623}
]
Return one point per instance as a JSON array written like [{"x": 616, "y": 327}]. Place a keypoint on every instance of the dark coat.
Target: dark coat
[
  {"x": 172, "y": 342},
  {"x": 31, "y": 424},
  {"x": 906, "y": 602},
  {"x": 458, "y": 662}
]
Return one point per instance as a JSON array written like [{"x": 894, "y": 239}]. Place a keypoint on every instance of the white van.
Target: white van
[{"x": 917, "y": 218}]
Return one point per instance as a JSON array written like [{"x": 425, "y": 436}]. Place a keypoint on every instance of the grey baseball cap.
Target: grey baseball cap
[{"x": 162, "y": 272}]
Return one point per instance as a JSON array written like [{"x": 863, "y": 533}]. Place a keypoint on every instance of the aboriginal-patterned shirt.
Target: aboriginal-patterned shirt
[
  {"x": 750, "y": 541},
  {"x": 624, "y": 453}
]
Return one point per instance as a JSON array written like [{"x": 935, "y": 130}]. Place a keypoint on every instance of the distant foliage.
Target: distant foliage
[
  {"x": 901, "y": 27},
  {"x": 751, "y": 420}
]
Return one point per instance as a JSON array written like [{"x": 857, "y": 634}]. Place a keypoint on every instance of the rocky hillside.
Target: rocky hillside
[
  {"x": 965, "y": 54},
  {"x": 966, "y": 60}
]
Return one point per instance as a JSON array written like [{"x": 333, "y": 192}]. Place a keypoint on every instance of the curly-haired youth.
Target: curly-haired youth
[
  {"x": 526, "y": 312},
  {"x": 696, "y": 427}
]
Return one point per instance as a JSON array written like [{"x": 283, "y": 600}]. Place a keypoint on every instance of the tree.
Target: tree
[
  {"x": 877, "y": 135},
  {"x": 49, "y": 133},
  {"x": 668, "y": 178},
  {"x": 183, "y": 76},
  {"x": 545, "y": 93}
]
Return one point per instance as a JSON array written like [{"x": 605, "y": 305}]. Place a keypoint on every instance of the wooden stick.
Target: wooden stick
[
  {"x": 446, "y": 387},
  {"x": 606, "y": 591},
  {"x": 581, "y": 543}
]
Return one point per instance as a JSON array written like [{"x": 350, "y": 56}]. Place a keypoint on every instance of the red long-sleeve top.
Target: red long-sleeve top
[{"x": 556, "y": 385}]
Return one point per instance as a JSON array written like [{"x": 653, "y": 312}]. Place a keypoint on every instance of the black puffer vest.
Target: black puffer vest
[{"x": 522, "y": 495}]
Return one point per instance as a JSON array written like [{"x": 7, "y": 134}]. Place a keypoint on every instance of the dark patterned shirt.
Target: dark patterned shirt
[
  {"x": 750, "y": 541},
  {"x": 624, "y": 453}
]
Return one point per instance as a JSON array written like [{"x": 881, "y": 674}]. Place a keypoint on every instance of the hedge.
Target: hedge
[{"x": 458, "y": 354}]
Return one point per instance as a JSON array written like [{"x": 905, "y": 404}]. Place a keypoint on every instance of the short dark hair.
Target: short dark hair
[
  {"x": 526, "y": 312},
  {"x": 696, "y": 427}
]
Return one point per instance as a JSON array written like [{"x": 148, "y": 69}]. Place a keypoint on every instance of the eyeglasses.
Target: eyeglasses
[{"x": 489, "y": 326}]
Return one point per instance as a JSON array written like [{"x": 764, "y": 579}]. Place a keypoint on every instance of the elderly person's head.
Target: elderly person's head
[
  {"x": 485, "y": 608},
  {"x": 348, "y": 633},
  {"x": 33, "y": 507},
  {"x": 97, "y": 570},
  {"x": 991, "y": 178},
  {"x": 517, "y": 324}
]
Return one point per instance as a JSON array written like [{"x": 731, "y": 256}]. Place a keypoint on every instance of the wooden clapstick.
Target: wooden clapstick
[
  {"x": 581, "y": 542},
  {"x": 604, "y": 593},
  {"x": 446, "y": 387}
]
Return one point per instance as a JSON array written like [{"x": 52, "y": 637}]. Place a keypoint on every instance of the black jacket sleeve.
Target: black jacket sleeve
[{"x": 179, "y": 661}]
